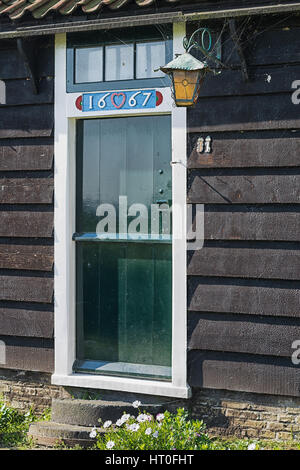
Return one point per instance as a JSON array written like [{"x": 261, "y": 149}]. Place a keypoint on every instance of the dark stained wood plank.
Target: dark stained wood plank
[
  {"x": 26, "y": 289},
  {"x": 246, "y": 149},
  {"x": 243, "y": 187},
  {"x": 274, "y": 46},
  {"x": 266, "y": 45},
  {"x": 12, "y": 66},
  {"x": 235, "y": 333},
  {"x": 209, "y": 295},
  {"x": 19, "y": 92},
  {"x": 227, "y": 371},
  {"x": 260, "y": 112},
  {"x": 26, "y": 224},
  {"x": 263, "y": 80},
  {"x": 251, "y": 224},
  {"x": 32, "y": 354},
  {"x": 260, "y": 263},
  {"x": 26, "y": 257},
  {"x": 26, "y": 190},
  {"x": 26, "y": 121},
  {"x": 16, "y": 155},
  {"x": 27, "y": 323}
]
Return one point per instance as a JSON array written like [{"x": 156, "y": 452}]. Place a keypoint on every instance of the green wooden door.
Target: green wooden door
[{"x": 124, "y": 284}]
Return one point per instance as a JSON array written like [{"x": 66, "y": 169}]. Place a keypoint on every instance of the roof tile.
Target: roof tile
[{"x": 15, "y": 9}]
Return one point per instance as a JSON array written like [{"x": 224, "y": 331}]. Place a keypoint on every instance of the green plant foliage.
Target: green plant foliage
[
  {"x": 165, "y": 432},
  {"x": 169, "y": 431},
  {"x": 14, "y": 425}
]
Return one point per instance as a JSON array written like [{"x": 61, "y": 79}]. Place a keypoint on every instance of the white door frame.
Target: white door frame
[{"x": 64, "y": 247}]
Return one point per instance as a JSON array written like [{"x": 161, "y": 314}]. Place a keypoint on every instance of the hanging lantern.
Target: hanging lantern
[{"x": 187, "y": 74}]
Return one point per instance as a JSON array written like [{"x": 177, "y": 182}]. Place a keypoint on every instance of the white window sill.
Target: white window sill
[{"x": 149, "y": 387}]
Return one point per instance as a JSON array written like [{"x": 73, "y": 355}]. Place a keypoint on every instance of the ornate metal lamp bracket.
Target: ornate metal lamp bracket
[{"x": 205, "y": 45}]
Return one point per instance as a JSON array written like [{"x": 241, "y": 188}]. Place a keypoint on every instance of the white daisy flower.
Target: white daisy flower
[
  {"x": 107, "y": 424},
  {"x": 134, "y": 427},
  {"x": 160, "y": 416},
  {"x": 141, "y": 418},
  {"x": 119, "y": 422},
  {"x": 155, "y": 434},
  {"x": 148, "y": 431},
  {"x": 252, "y": 446},
  {"x": 93, "y": 433},
  {"x": 110, "y": 444},
  {"x": 125, "y": 417},
  {"x": 136, "y": 404}
]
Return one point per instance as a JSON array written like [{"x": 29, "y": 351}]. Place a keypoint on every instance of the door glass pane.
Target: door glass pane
[
  {"x": 149, "y": 57},
  {"x": 124, "y": 288},
  {"x": 88, "y": 64},
  {"x": 125, "y": 302},
  {"x": 119, "y": 62},
  {"x": 122, "y": 157}
]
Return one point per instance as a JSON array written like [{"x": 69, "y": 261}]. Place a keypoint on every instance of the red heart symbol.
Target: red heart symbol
[{"x": 113, "y": 100}]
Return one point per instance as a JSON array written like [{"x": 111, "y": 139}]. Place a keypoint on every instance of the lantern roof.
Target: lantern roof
[{"x": 184, "y": 61}]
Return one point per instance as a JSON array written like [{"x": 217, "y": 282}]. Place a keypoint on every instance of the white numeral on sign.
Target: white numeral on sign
[
  {"x": 147, "y": 98},
  {"x": 101, "y": 101},
  {"x": 132, "y": 101}
]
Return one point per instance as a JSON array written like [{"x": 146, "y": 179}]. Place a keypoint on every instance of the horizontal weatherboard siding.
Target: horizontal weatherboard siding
[
  {"x": 26, "y": 257},
  {"x": 243, "y": 333},
  {"x": 15, "y": 121},
  {"x": 243, "y": 372},
  {"x": 251, "y": 223},
  {"x": 26, "y": 209},
  {"x": 244, "y": 187},
  {"x": 244, "y": 167},
  {"x": 263, "y": 262},
  {"x": 255, "y": 297},
  {"x": 19, "y": 92},
  {"x": 264, "y": 112},
  {"x": 12, "y": 67},
  {"x": 34, "y": 354},
  {"x": 26, "y": 154},
  {"x": 263, "y": 80},
  {"x": 258, "y": 149},
  {"x": 26, "y": 224},
  {"x": 26, "y": 190},
  {"x": 27, "y": 323},
  {"x": 26, "y": 289}
]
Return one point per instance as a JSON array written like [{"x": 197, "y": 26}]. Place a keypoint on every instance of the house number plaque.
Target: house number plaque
[{"x": 114, "y": 100}]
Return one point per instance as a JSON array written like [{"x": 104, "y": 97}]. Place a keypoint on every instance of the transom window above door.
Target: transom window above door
[{"x": 110, "y": 60}]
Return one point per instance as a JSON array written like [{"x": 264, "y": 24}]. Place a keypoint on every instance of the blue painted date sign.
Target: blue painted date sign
[{"x": 114, "y": 100}]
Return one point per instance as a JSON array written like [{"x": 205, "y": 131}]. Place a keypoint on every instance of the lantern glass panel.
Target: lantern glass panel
[{"x": 186, "y": 85}]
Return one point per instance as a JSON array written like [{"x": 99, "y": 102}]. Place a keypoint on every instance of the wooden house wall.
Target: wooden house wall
[
  {"x": 26, "y": 209},
  {"x": 243, "y": 286}
]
